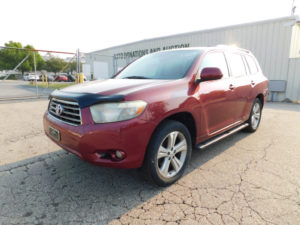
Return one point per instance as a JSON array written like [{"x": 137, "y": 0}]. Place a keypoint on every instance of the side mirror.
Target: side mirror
[{"x": 210, "y": 73}]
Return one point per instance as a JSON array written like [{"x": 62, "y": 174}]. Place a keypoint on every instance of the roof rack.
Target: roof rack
[{"x": 233, "y": 46}]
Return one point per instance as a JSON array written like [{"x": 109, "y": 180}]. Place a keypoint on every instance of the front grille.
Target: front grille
[{"x": 69, "y": 111}]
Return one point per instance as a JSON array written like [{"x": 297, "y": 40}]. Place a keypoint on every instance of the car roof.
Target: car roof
[{"x": 218, "y": 47}]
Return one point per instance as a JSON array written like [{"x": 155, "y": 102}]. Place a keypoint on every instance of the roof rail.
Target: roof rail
[{"x": 233, "y": 46}]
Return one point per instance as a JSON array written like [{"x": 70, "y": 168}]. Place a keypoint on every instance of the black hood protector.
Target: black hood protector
[{"x": 85, "y": 99}]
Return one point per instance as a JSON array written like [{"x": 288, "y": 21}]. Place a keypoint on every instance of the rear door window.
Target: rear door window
[
  {"x": 251, "y": 64},
  {"x": 215, "y": 59},
  {"x": 237, "y": 65}
]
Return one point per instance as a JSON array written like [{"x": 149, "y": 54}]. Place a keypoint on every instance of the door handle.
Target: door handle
[
  {"x": 252, "y": 82},
  {"x": 231, "y": 87}
]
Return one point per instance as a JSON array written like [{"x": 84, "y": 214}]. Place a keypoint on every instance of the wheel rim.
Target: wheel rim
[
  {"x": 171, "y": 154},
  {"x": 255, "y": 115}
]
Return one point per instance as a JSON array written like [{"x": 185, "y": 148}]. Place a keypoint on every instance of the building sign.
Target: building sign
[{"x": 139, "y": 53}]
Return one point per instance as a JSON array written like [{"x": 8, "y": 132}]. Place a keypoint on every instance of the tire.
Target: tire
[
  {"x": 255, "y": 116},
  {"x": 168, "y": 153}
]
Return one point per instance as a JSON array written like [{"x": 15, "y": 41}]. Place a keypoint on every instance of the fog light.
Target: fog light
[
  {"x": 113, "y": 155},
  {"x": 104, "y": 155},
  {"x": 119, "y": 155}
]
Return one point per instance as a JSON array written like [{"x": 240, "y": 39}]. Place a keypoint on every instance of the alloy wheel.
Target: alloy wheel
[
  {"x": 255, "y": 115},
  {"x": 171, "y": 154}
]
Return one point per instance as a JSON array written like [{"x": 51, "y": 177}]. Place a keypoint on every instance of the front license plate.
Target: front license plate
[{"x": 54, "y": 133}]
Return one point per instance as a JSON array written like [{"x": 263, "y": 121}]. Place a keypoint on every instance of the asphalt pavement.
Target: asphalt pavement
[
  {"x": 243, "y": 179},
  {"x": 10, "y": 89}
]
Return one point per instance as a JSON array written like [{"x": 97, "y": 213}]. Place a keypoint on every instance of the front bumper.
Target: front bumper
[{"x": 89, "y": 140}]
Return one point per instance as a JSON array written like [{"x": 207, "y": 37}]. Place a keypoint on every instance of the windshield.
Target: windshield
[{"x": 168, "y": 65}]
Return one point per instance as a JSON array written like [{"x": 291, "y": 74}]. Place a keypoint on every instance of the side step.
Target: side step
[{"x": 221, "y": 136}]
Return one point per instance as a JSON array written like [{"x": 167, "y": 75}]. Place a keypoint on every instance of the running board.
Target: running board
[{"x": 221, "y": 136}]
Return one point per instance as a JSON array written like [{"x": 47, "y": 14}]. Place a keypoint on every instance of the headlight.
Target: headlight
[{"x": 113, "y": 112}]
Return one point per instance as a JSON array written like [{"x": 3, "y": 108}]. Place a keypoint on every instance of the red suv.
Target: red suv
[{"x": 158, "y": 108}]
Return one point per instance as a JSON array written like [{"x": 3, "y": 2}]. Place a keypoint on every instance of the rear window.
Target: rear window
[
  {"x": 237, "y": 65},
  {"x": 251, "y": 64}
]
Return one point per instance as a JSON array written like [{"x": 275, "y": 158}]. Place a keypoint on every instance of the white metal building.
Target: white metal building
[{"x": 275, "y": 43}]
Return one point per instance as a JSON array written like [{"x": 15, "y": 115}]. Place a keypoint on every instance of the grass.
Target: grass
[
  {"x": 52, "y": 85},
  {"x": 10, "y": 77}
]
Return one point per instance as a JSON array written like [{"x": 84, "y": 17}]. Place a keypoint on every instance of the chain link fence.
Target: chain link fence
[
  {"x": 31, "y": 73},
  {"x": 99, "y": 66},
  {"x": 38, "y": 72}
]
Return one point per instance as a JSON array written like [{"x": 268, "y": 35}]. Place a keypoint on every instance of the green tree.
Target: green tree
[
  {"x": 38, "y": 59},
  {"x": 72, "y": 67},
  {"x": 10, "y": 58},
  {"x": 54, "y": 64}
]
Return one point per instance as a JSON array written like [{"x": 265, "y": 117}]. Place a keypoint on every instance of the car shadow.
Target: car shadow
[{"x": 61, "y": 188}]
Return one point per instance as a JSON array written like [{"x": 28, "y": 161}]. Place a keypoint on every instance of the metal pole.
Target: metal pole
[
  {"x": 36, "y": 86},
  {"x": 293, "y": 8},
  {"x": 17, "y": 66},
  {"x": 78, "y": 61},
  {"x": 38, "y": 50},
  {"x": 115, "y": 63}
]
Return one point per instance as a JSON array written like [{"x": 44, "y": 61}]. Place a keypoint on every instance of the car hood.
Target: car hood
[
  {"x": 115, "y": 86},
  {"x": 111, "y": 90}
]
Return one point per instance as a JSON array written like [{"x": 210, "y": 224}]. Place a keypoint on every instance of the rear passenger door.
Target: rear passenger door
[
  {"x": 254, "y": 79},
  {"x": 240, "y": 85}
]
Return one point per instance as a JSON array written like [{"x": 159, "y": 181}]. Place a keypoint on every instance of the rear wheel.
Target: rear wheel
[
  {"x": 168, "y": 153},
  {"x": 255, "y": 116}
]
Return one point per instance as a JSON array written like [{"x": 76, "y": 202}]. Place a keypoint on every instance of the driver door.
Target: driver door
[{"x": 216, "y": 96}]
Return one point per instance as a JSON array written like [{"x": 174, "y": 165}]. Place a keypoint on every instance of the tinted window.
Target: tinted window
[
  {"x": 237, "y": 65},
  {"x": 252, "y": 65},
  {"x": 161, "y": 65},
  {"x": 215, "y": 59}
]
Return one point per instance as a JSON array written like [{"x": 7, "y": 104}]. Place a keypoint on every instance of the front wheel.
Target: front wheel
[
  {"x": 255, "y": 116},
  {"x": 168, "y": 153}
]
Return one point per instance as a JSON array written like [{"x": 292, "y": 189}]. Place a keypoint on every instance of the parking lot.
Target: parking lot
[
  {"x": 244, "y": 179},
  {"x": 10, "y": 89}
]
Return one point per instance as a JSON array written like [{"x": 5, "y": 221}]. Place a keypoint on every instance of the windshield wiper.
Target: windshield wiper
[{"x": 136, "y": 77}]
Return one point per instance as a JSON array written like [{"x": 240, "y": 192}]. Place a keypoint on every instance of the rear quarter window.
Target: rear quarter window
[
  {"x": 237, "y": 65},
  {"x": 251, "y": 64}
]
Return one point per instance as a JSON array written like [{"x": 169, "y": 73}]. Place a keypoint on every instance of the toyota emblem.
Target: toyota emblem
[{"x": 59, "y": 109}]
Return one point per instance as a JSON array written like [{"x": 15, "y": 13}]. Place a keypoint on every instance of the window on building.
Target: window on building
[
  {"x": 252, "y": 64},
  {"x": 215, "y": 59},
  {"x": 237, "y": 65}
]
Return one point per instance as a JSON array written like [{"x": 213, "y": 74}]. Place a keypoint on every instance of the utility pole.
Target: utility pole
[{"x": 293, "y": 8}]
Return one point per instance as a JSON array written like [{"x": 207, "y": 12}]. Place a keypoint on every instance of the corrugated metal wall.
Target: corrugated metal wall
[
  {"x": 268, "y": 40},
  {"x": 295, "y": 42},
  {"x": 293, "y": 84}
]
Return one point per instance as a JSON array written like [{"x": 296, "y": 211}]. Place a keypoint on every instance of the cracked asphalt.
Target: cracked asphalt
[{"x": 244, "y": 179}]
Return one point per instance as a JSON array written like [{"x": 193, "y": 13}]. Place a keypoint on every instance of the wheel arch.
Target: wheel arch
[
  {"x": 187, "y": 119},
  {"x": 261, "y": 99}
]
